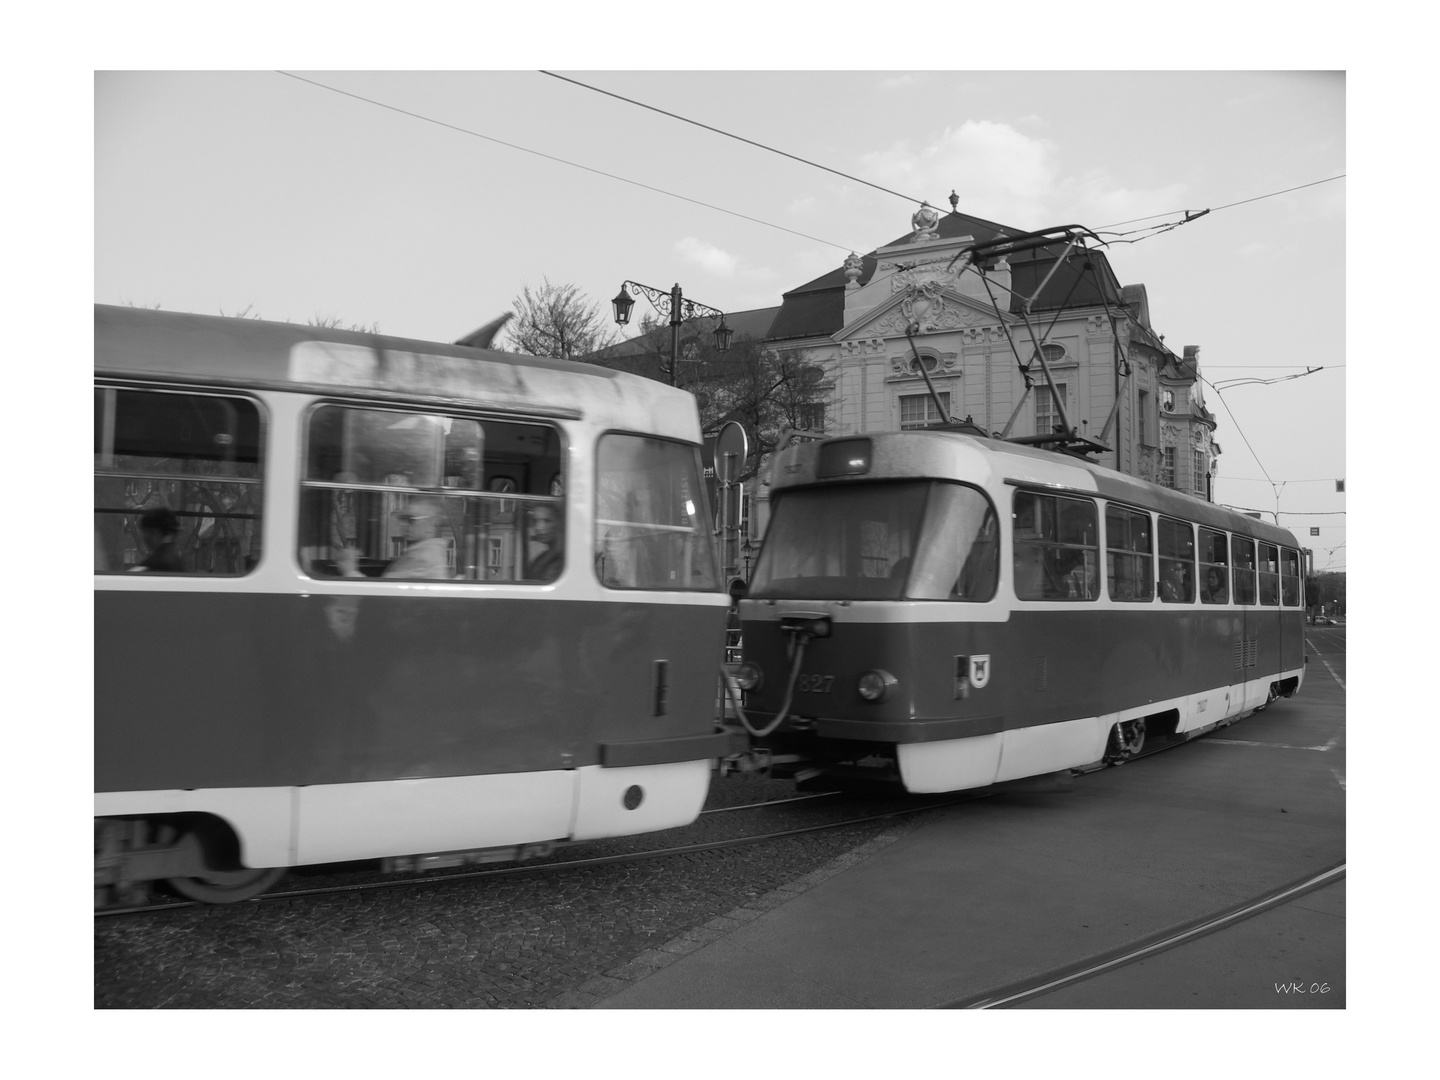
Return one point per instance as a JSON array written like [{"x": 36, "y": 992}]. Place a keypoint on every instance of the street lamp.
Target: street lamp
[{"x": 673, "y": 304}]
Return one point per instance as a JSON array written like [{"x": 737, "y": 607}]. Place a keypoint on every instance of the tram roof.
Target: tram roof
[
  {"x": 254, "y": 354},
  {"x": 1033, "y": 467}
]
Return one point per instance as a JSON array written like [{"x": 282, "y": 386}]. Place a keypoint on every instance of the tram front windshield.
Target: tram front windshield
[{"x": 914, "y": 539}]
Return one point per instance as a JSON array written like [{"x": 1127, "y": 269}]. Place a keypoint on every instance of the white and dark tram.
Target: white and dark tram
[
  {"x": 948, "y": 611},
  {"x": 360, "y": 597}
]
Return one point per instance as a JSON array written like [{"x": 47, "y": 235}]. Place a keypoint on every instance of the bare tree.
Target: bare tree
[
  {"x": 557, "y": 320},
  {"x": 770, "y": 391}
]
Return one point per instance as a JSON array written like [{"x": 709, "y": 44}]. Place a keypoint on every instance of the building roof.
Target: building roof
[
  {"x": 817, "y": 308},
  {"x": 754, "y": 323}
]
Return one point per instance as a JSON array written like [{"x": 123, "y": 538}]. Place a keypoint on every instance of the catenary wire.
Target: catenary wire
[
  {"x": 563, "y": 161},
  {"x": 1227, "y": 206},
  {"x": 1152, "y": 230},
  {"x": 738, "y": 138}
]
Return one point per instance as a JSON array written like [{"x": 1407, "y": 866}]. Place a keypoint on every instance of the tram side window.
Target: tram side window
[
  {"x": 1290, "y": 577},
  {"x": 404, "y": 494},
  {"x": 177, "y": 482},
  {"x": 1269, "y": 567},
  {"x": 1214, "y": 567},
  {"x": 1243, "y": 552},
  {"x": 957, "y": 557},
  {"x": 1057, "y": 553},
  {"x": 1177, "y": 561},
  {"x": 1129, "y": 571},
  {"x": 651, "y": 527}
]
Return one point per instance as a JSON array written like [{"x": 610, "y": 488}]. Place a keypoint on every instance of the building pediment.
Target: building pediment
[{"x": 926, "y": 305}]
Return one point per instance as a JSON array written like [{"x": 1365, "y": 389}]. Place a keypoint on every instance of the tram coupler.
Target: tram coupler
[
  {"x": 756, "y": 760},
  {"x": 806, "y": 624}
]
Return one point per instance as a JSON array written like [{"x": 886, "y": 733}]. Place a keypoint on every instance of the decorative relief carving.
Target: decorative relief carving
[
  {"x": 927, "y": 309},
  {"x": 862, "y": 346}
]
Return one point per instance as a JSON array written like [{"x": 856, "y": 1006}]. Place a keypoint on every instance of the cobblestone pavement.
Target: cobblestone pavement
[{"x": 562, "y": 940}]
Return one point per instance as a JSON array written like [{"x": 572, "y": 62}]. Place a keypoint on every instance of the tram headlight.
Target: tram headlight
[
  {"x": 748, "y": 676},
  {"x": 876, "y": 685}
]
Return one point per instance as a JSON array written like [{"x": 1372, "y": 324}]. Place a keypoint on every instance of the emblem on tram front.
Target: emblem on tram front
[{"x": 979, "y": 670}]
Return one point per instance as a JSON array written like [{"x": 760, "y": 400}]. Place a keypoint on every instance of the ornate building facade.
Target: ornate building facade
[{"x": 1113, "y": 386}]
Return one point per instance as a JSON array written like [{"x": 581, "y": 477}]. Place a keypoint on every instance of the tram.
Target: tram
[
  {"x": 362, "y": 597},
  {"x": 946, "y": 611}
]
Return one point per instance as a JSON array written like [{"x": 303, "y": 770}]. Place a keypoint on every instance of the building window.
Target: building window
[
  {"x": 931, "y": 361},
  {"x": 811, "y": 417},
  {"x": 1197, "y": 478},
  {"x": 1047, "y": 416},
  {"x": 1167, "y": 467},
  {"x": 1141, "y": 412},
  {"x": 1167, "y": 400},
  {"x": 918, "y": 410}
]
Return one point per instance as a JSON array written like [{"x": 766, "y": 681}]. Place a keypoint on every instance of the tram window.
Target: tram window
[
  {"x": 195, "y": 455},
  {"x": 1290, "y": 577},
  {"x": 1243, "y": 552},
  {"x": 1177, "y": 561},
  {"x": 1129, "y": 571},
  {"x": 1214, "y": 567},
  {"x": 1056, "y": 547},
  {"x": 863, "y": 542},
  {"x": 651, "y": 525},
  {"x": 957, "y": 557},
  {"x": 407, "y": 494},
  {"x": 1269, "y": 567}
]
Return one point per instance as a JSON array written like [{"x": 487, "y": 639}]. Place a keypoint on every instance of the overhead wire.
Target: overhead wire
[
  {"x": 732, "y": 135},
  {"x": 560, "y": 160},
  {"x": 1153, "y": 230}
]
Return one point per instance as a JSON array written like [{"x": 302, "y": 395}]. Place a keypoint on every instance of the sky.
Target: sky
[{"x": 424, "y": 201}]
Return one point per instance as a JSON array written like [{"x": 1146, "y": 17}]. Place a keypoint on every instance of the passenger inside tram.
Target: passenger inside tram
[
  {"x": 159, "y": 527},
  {"x": 1214, "y": 590},
  {"x": 544, "y": 549},
  {"x": 426, "y": 553}
]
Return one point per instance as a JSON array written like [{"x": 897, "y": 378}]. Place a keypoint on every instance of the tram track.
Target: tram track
[
  {"x": 1034, "y": 986},
  {"x": 560, "y": 865},
  {"x": 555, "y": 867}
]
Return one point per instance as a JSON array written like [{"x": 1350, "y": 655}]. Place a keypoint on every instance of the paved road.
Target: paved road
[{"x": 1041, "y": 878}]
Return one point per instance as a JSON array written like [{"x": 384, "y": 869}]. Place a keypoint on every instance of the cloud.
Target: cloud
[
  {"x": 708, "y": 257},
  {"x": 998, "y": 172},
  {"x": 899, "y": 82}
]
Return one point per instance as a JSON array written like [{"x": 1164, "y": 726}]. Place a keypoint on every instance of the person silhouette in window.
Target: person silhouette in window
[
  {"x": 426, "y": 553},
  {"x": 544, "y": 546},
  {"x": 159, "y": 527}
]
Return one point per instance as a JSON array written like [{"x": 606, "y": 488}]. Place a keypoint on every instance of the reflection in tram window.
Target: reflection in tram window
[
  {"x": 650, "y": 520},
  {"x": 402, "y": 494},
  {"x": 1214, "y": 567},
  {"x": 1128, "y": 569},
  {"x": 1177, "y": 561},
  {"x": 1056, "y": 547},
  {"x": 1243, "y": 551},
  {"x": 1290, "y": 577},
  {"x": 194, "y": 455},
  {"x": 859, "y": 542},
  {"x": 1269, "y": 567}
]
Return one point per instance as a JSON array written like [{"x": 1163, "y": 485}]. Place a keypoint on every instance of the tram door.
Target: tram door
[{"x": 1252, "y": 626}]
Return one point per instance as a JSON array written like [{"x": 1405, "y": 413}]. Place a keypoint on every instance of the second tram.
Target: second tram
[{"x": 948, "y": 612}]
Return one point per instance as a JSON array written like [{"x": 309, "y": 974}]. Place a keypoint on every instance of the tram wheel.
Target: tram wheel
[
  {"x": 226, "y": 886},
  {"x": 1126, "y": 740}
]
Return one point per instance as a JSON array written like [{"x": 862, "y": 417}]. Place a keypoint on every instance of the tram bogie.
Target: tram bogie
[
  {"x": 360, "y": 597},
  {"x": 952, "y": 612}
]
